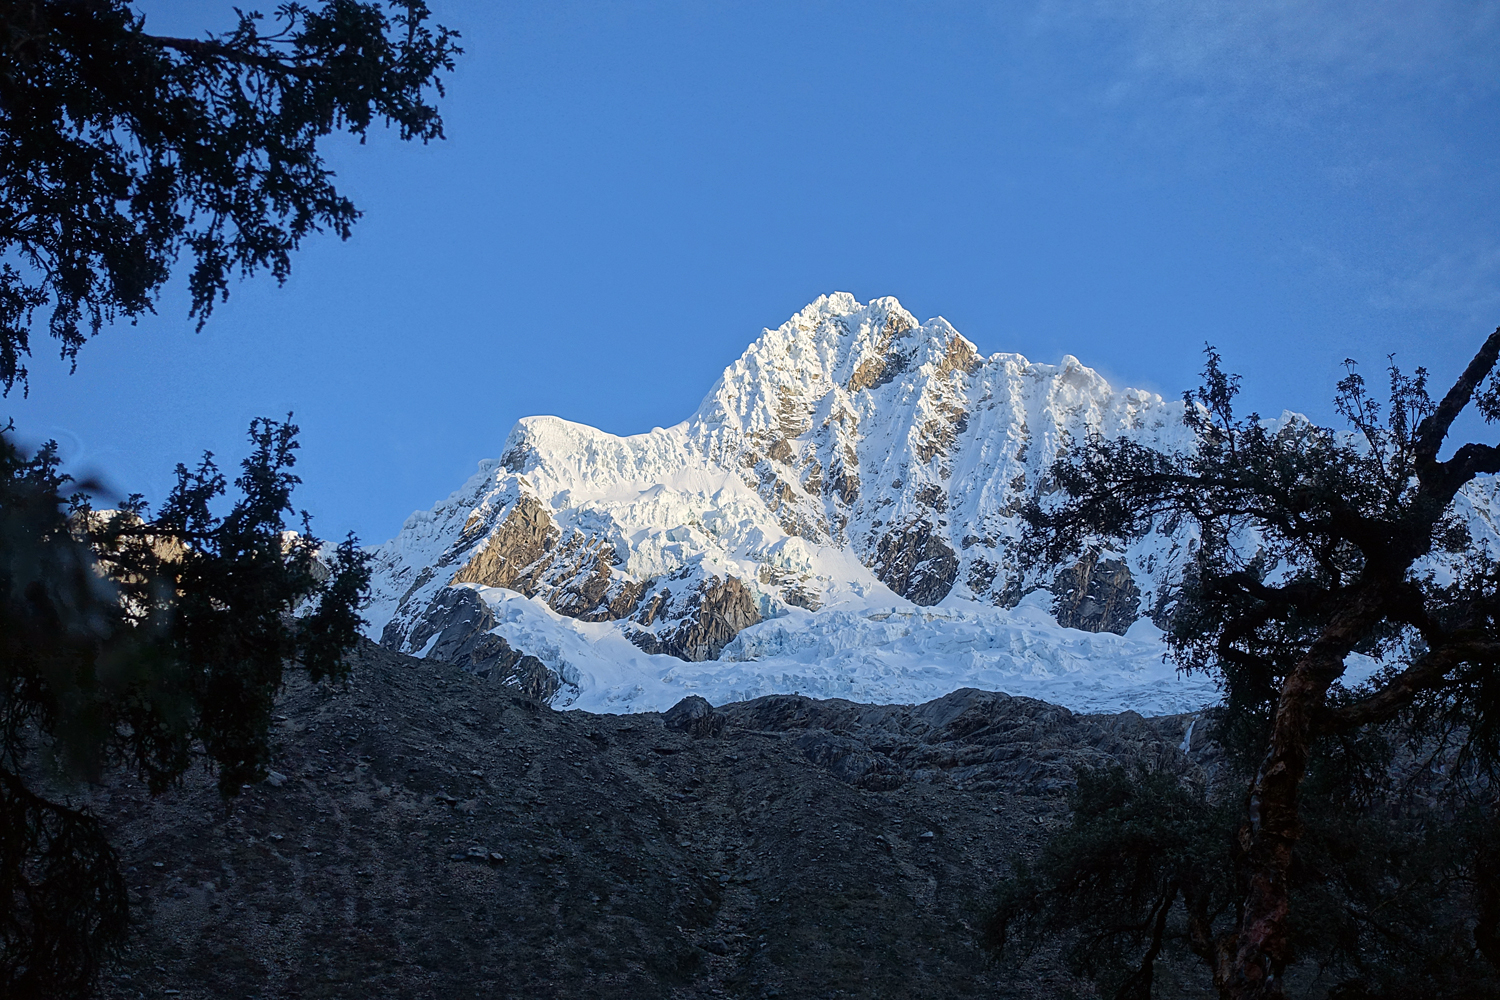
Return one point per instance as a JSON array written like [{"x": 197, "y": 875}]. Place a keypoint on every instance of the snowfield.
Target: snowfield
[{"x": 900, "y": 654}]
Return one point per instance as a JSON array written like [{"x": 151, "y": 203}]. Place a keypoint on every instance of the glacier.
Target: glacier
[{"x": 898, "y": 654}]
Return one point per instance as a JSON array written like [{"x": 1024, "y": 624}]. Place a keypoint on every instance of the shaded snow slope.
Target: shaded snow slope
[
  {"x": 901, "y": 655},
  {"x": 839, "y": 518}
]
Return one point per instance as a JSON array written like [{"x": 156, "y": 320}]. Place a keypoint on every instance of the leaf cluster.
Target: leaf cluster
[
  {"x": 1143, "y": 863},
  {"x": 121, "y": 150},
  {"x": 1391, "y": 878},
  {"x": 65, "y": 896}
]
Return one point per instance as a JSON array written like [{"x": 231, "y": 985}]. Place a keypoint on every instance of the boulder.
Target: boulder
[{"x": 695, "y": 716}]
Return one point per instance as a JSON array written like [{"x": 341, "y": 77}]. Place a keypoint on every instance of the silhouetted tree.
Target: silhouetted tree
[
  {"x": 121, "y": 151},
  {"x": 150, "y": 641},
  {"x": 154, "y": 640},
  {"x": 1313, "y": 545}
]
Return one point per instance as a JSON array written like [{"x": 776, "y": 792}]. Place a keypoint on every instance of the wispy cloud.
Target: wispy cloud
[
  {"x": 1283, "y": 58},
  {"x": 1380, "y": 116},
  {"x": 1464, "y": 283}
]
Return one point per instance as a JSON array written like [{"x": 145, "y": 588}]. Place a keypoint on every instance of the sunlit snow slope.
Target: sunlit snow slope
[{"x": 839, "y": 518}]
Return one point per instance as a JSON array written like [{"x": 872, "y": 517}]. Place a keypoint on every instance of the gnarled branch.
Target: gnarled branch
[{"x": 1426, "y": 672}]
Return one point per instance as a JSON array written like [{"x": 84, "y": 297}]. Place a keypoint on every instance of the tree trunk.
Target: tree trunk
[
  {"x": 1273, "y": 826},
  {"x": 1487, "y": 878},
  {"x": 1137, "y": 985},
  {"x": 1217, "y": 952},
  {"x": 1271, "y": 832}
]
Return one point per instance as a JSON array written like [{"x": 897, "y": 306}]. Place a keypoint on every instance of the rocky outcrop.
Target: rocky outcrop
[
  {"x": 114, "y": 533},
  {"x": 916, "y": 563},
  {"x": 883, "y": 364},
  {"x": 512, "y": 556},
  {"x": 714, "y": 615},
  {"x": 1096, "y": 595},
  {"x": 576, "y": 578},
  {"x": 850, "y": 761},
  {"x": 695, "y": 716},
  {"x": 845, "y": 483},
  {"x": 980, "y": 740},
  {"x": 877, "y": 371},
  {"x": 960, "y": 357},
  {"x": 793, "y": 586},
  {"x": 579, "y": 580},
  {"x": 460, "y": 622}
]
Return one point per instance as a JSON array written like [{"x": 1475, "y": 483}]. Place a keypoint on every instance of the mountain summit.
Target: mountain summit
[{"x": 840, "y": 517}]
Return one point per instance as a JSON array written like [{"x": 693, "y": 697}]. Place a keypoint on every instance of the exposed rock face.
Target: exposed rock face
[
  {"x": 577, "y": 577},
  {"x": 845, "y": 483},
  {"x": 917, "y": 564},
  {"x": 983, "y": 740},
  {"x": 884, "y": 364},
  {"x": 112, "y": 529},
  {"x": 580, "y": 581},
  {"x": 1096, "y": 595},
  {"x": 715, "y": 614},
  {"x": 793, "y": 586},
  {"x": 512, "y": 556},
  {"x": 694, "y": 716},
  {"x": 850, "y": 760},
  {"x": 461, "y": 623}
]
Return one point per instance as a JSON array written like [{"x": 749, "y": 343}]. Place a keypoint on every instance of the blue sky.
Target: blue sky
[{"x": 630, "y": 191}]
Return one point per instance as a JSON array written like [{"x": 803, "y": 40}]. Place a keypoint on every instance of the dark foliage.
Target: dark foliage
[
  {"x": 1386, "y": 878},
  {"x": 1139, "y": 844},
  {"x": 1315, "y": 545},
  {"x": 120, "y": 151},
  {"x": 149, "y": 641},
  {"x": 66, "y": 905},
  {"x": 126, "y": 637},
  {"x": 1383, "y": 886}
]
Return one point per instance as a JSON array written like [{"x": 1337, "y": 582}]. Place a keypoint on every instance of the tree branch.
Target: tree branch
[
  {"x": 214, "y": 49},
  {"x": 1434, "y": 427},
  {"x": 1426, "y": 672},
  {"x": 1475, "y": 459}
]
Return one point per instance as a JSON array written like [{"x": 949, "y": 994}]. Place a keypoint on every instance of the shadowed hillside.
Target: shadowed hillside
[{"x": 431, "y": 834}]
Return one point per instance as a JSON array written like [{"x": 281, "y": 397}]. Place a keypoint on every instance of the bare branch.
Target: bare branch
[
  {"x": 1475, "y": 459},
  {"x": 1434, "y": 427}
]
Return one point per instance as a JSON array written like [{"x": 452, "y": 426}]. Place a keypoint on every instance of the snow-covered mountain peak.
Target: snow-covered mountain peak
[
  {"x": 834, "y": 347},
  {"x": 852, "y": 461}
]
